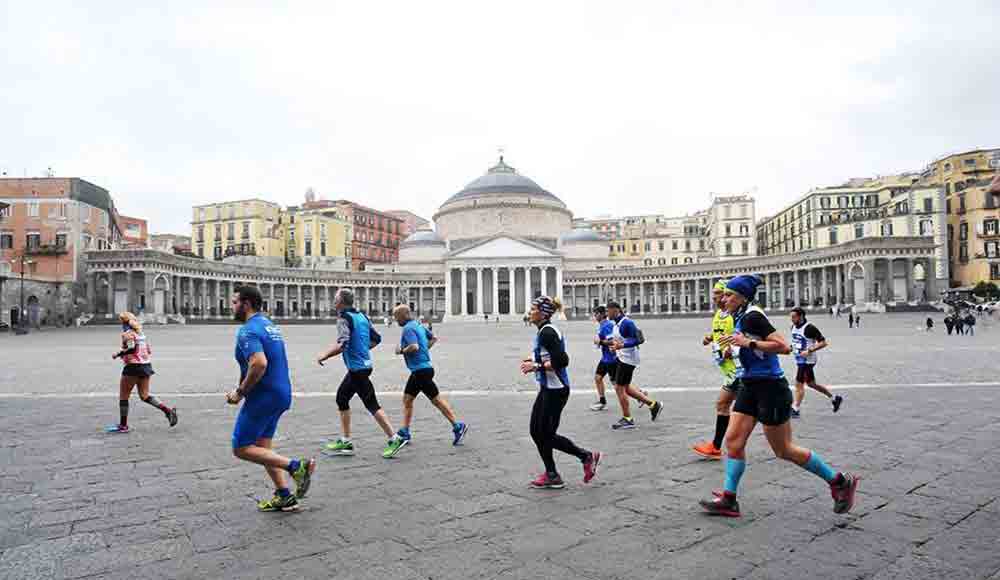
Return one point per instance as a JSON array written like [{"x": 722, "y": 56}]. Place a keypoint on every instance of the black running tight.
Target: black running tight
[{"x": 545, "y": 422}]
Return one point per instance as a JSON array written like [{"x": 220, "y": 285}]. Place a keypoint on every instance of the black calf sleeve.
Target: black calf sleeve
[{"x": 123, "y": 412}]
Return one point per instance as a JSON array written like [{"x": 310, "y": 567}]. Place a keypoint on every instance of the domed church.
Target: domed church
[{"x": 500, "y": 242}]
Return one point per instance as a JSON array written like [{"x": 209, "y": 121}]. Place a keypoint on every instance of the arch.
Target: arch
[
  {"x": 919, "y": 271},
  {"x": 855, "y": 271},
  {"x": 161, "y": 282}
]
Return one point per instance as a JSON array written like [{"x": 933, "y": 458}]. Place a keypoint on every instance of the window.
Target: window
[
  {"x": 231, "y": 231},
  {"x": 621, "y": 248},
  {"x": 886, "y": 229},
  {"x": 859, "y": 231},
  {"x": 947, "y": 206},
  {"x": 201, "y": 214},
  {"x": 87, "y": 240},
  {"x": 6, "y": 241},
  {"x": 928, "y": 205},
  {"x": 33, "y": 240},
  {"x": 743, "y": 210},
  {"x": 61, "y": 240},
  {"x": 729, "y": 230},
  {"x": 729, "y": 248},
  {"x": 969, "y": 162},
  {"x": 322, "y": 231},
  {"x": 246, "y": 230},
  {"x": 947, "y": 166},
  {"x": 963, "y": 231},
  {"x": 746, "y": 248},
  {"x": 926, "y": 227},
  {"x": 701, "y": 244},
  {"x": 994, "y": 271},
  {"x": 661, "y": 245},
  {"x": 32, "y": 209},
  {"x": 991, "y": 249},
  {"x": 218, "y": 252},
  {"x": 648, "y": 246},
  {"x": 688, "y": 260},
  {"x": 635, "y": 248},
  {"x": 673, "y": 261},
  {"x": 990, "y": 227},
  {"x": 833, "y": 236},
  {"x": 674, "y": 244},
  {"x": 309, "y": 247},
  {"x": 201, "y": 233},
  {"x": 62, "y": 210},
  {"x": 963, "y": 252},
  {"x": 687, "y": 245},
  {"x": 201, "y": 251},
  {"x": 322, "y": 248},
  {"x": 218, "y": 233}
]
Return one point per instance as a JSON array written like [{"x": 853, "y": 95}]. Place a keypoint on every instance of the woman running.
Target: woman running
[
  {"x": 764, "y": 397},
  {"x": 549, "y": 362},
  {"x": 136, "y": 354}
]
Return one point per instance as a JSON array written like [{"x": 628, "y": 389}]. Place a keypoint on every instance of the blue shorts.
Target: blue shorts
[{"x": 255, "y": 423}]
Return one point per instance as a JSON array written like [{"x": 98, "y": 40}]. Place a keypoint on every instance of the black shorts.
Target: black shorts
[
  {"x": 623, "y": 374},
  {"x": 767, "y": 399},
  {"x": 607, "y": 368},
  {"x": 138, "y": 370},
  {"x": 806, "y": 374},
  {"x": 357, "y": 383},
  {"x": 422, "y": 381}
]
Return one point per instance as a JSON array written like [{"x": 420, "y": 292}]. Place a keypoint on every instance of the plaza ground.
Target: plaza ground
[{"x": 920, "y": 425}]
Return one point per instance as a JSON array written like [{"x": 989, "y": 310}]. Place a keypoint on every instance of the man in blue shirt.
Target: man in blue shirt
[
  {"x": 415, "y": 345},
  {"x": 266, "y": 392},
  {"x": 354, "y": 341},
  {"x": 608, "y": 364}
]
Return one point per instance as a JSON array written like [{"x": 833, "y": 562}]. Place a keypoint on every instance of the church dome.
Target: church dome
[
  {"x": 424, "y": 237},
  {"x": 502, "y": 179}
]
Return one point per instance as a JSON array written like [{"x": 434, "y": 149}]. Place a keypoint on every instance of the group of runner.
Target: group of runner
[{"x": 744, "y": 343}]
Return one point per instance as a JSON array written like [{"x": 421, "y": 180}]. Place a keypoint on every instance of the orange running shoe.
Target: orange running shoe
[{"x": 708, "y": 450}]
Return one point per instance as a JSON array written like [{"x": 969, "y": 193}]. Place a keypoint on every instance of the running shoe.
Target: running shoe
[
  {"x": 117, "y": 429},
  {"x": 172, "y": 416},
  {"x": 278, "y": 503},
  {"x": 643, "y": 403},
  {"x": 624, "y": 423},
  {"x": 459, "y": 432},
  {"x": 654, "y": 411},
  {"x": 837, "y": 402},
  {"x": 721, "y": 505},
  {"x": 708, "y": 450},
  {"x": 340, "y": 447},
  {"x": 796, "y": 414},
  {"x": 544, "y": 481},
  {"x": 303, "y": 477},
  {"x": 843, "y": 494},
  {"x": 590, "y": 466},
  {"x": 405, "y": 434},
  {"x": 393, "y": 447},
  {"x": 598, "y": 406}
]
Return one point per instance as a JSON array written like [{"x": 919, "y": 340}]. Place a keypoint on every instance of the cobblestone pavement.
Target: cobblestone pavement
[{"x": 174, "y": 503}]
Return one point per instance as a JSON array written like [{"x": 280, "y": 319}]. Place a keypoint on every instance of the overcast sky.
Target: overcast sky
[{"x": 615, "y": 107}]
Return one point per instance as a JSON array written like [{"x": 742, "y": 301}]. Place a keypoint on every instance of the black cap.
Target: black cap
[{"x": 613, "y": 304}]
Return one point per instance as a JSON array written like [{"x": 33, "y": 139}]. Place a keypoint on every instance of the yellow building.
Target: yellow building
[
  {"x": 249, "y": 227},
  {"x": 317, "y": 238},
  {"x": 973, "y": 214}
]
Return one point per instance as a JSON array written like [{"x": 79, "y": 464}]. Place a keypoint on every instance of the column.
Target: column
[
  {"x": 930, "y": 280},
  {"x": 908, "y": 265},
  {"x": 544, "y": 282},
  {"x": 824, "y": 288},
  {"x": 670, "y": 297},
  {"x": 495, "y": 291},
  {"x": 527, "y": 289},
  {"x": 205, "y": 305},
  {"x": 129, "y": 290},
  {"x": 796, "y": 289},
  {"x": 869, "y": 267},
  {"x": 684, "y": 294},
  {"x": 838, "y": 280},
  {"x": 287, "y": 306},
  {"x": 559, "y": 283},
  {"x": 586, "y": 294},
  {"x": 448, "y": 287},
  {"x": 111, "y": 294},
  {"x": 781, "y": 290},
  {"x": 464, "y": 309},
  {"x": 628, "y": 297},
  {"x": 510, "y": 290},
  {"x": 480, "y": 308}
]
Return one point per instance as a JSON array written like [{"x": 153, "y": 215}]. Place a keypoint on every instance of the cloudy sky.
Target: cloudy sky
[{"x": 615, "y": 107}]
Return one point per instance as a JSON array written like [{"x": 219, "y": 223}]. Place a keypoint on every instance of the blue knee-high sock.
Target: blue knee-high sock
[
  {"x": 734, "y": 471},
  {"x": 819, "y": 467}
]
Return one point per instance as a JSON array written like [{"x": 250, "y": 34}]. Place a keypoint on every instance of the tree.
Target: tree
[{"x": 987, "y": 290}]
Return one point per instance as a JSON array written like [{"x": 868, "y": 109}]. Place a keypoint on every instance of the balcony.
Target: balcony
[{"x": 47, "y": 250}]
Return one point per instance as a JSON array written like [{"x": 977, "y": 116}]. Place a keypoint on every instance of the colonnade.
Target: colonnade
[{"x": 499, "y": 290}]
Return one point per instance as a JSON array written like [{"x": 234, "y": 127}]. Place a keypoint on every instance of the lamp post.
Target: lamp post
[{"x": 3, "y": 280}]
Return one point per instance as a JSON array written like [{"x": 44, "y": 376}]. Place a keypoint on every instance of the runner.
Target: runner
[
  {"x": 806, "y": 340},
  {"x": 355, "y": 340},
  {"x": 764, "y": 396},
  {"x": 415, "y": 344},
  {"x": 626, "y": 339},
  {"x": 722, "y": 325},
  {"x": 549, "y": 362},
  {"x": 266, "y": 391},
  {"x": 609, "y": 361},
  {"x": 136, "y": 355}
]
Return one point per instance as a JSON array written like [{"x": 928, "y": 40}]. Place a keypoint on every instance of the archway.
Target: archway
[
  {"x": 856, "y": 275},
  {"x": 160, "y": 288}
]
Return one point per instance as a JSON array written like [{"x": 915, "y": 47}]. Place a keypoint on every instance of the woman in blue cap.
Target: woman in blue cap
[
  {"x": 549, "y": 363},
  {"x": 764, "y": 397}
]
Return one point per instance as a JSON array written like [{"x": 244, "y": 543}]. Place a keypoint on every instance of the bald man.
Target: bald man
[{"x": 415, "y": 345}]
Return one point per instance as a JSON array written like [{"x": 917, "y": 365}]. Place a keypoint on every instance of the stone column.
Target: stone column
[
  {"x": 781, "y": 290},
  {"x": 628, "y": 298},
  {"x": 670, "y": 297},
  {"x": 527, "y": 289},
  {"x": 559, "y": 282},
  {"x": 464, "y": 309},
  {"x": 495, "y": 291},
  {"x": 287, "y": 306},
  {"x": 869, "y": 267},
  {"x": 545, "y": 280},
  {"x": 111, "y": 294},
  {"x": 838, "y": 281},
  {"x": 448, "y": 289},
  {"x": 824, "y": 288},
  {"x": 908, "y": 264},
  {"x": 930, "y": 280},
  {"x": 510, "y": 290},
  {"x": 480, "y": 308}
]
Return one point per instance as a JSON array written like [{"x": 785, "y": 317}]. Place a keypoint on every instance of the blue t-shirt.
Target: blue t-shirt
[
  {"x": 415, "y": 333},
  {"x": 354, "y": 333},
  {"x": 604, "y": 332},
  {"x": 274, "y": 390}
]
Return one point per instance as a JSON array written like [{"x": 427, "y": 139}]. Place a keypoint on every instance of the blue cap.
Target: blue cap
[{"x": 745, "y": 286}]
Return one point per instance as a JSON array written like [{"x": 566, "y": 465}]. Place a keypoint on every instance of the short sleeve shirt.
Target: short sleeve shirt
[{"x": 274, "y": 389}]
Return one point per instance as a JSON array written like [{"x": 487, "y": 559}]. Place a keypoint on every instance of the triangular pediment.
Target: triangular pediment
[{"x": 504, "y": 247}]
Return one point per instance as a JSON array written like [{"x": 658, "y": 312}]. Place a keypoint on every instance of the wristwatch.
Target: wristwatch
[{"x": 753, "y": 345}]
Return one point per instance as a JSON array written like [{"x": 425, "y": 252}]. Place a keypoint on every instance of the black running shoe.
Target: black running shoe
[
  {"x": 837, "y": 402},
  {"x": 722, "y": 505},
  {"x": 172, "y": 416},
  {"x": 654, "y": 411}
]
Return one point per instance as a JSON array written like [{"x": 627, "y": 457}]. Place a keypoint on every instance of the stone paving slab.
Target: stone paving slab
[{"x": 174, "y": 503}]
